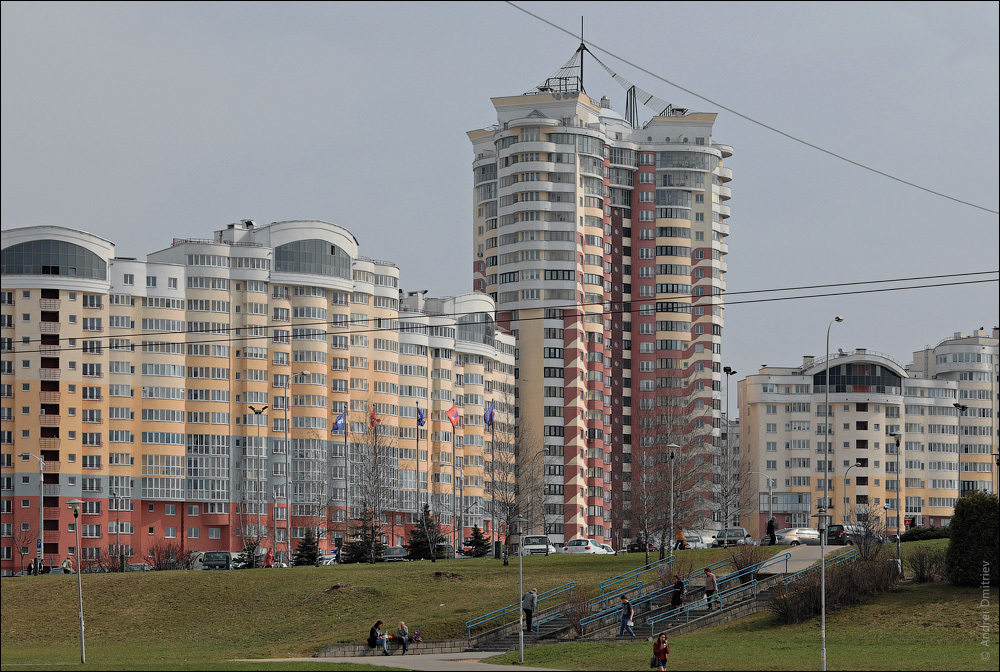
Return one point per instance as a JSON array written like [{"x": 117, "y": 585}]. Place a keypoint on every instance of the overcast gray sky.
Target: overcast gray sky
[{"x": 140, "y": 122}]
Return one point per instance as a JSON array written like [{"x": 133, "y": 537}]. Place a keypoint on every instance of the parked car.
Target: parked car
[
  {"x": 698, "y": 539},
  {"x": 608, "y": 549},
  {"x": 445, "y": 551},
  {"x": 395, "y": 554},
  {"x": 216, "y": 560},
  {"x": 537, "y": 545},
  {"x": 798, "y": 535},
  {"x": 637, "y": 545},
  {"x": 95, "y": 569},
  {"x": 845, "y": 535},
  {"x": 138, "y": 567},
  {"x": 591, "y": 546},
  {"x": 733, "y": 536}
]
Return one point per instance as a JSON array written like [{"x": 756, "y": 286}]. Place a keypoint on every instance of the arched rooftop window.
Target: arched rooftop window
[
  {"x": 316, "y": 257},
  {"x": 52, "y": 257}
]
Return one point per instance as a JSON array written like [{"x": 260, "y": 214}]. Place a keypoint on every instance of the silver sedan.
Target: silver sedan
[{"x": 798, "y": 535}]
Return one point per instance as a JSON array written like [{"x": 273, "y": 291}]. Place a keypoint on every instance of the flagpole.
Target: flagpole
[
  {"x": 347, "y": 479},
  {"x": 493, "y": 480}
]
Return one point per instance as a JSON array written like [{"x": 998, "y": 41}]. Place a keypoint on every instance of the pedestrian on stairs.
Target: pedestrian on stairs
[
  {"x": 529, "y": 603},
  {"x": 711, "y": 587},
  {"x": 677, "y": 597},
  {"x": 627, "y": 613}
]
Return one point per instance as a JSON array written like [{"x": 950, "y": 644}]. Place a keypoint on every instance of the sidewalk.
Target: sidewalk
[
  {"x": 455, "y": 662},
  {"x": 801, "y": 557}
]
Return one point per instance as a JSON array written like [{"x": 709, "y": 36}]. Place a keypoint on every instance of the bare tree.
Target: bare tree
[
  {"x": 872, "y": 529},
  {"x": 22, "y": 539},
  {"x": 164, "y": 554},
  {"x": 374, "y": 472},
  {"x": 251, "y": 487},
  {"x": 735, "y": 489},
  {"x": 503, "y": 466}
]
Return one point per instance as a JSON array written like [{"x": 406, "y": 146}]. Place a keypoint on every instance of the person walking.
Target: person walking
[
  {"x": 679, "y": 544},
  {"x": 661, "y": 649},
  {"x": 711, "y": 587},
  {"x": 529, "y": 603},
  {"x": 403, "y": 633},
  {"x": 677, "y": 597},
  {"x": 770, "y": 531},
  {"x": 376, "y": 637},
  {"x": 627, "y": 613}
]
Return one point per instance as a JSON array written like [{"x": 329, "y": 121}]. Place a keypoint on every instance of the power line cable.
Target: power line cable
[
  {"x": 696, "y": 302},
  {"x": 755, "y": 121}
]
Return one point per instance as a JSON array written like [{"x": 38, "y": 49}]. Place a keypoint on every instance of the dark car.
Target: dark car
[
  {"x": 845, "y": 535},
  {"x": 395, "y": 554}
]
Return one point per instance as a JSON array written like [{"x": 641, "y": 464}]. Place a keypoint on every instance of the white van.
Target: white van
[{"x": 537, "y": 545}]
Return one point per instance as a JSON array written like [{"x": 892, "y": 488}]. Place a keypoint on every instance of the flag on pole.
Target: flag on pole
[
  {"x": 373, "y": 420},
  {"x": 453, "y": 415},
  {"x": 421, "y": 418},
  {"x": 339, "y": 423},
  {"x": 488, "y": 416}
]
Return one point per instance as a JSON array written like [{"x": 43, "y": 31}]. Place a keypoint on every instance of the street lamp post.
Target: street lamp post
[
  {"x": 856, "y": 464},
  {"x": 672, "y": 447},
  {"x": 257, "y": 413},
  {"x": 769, "y": 512},
  {"x": 41, "y": 495},
  {"x": 962, "y": 408},
  {"x": 74, "y": 504},
  {"x": 826, "y": 498},
  {"x": 520, "y": 586},
  {"x": 899, "y": 500},
  {"x": 727, "y": 483}
]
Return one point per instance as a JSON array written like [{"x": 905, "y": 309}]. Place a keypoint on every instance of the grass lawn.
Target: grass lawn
[
  {"x": 169, "y": 620},
  {"x": 201, "y": 620}
]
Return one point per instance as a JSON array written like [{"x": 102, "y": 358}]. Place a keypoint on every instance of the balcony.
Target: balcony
[
  {"x": 51, "y": 512},
  {"x": 51, "y": 467},
  {"x": 51, "y": 490},
  {"x": 49, "y": 327},
  {"x": 51, "y": 536},
  {"x": 49, "y": 304},
  {"x": 48, "y": 420},
  {"x": 49, "y": 374},
  {"x": 49, "y": 397},
  {"x": 49, "y": 349}
]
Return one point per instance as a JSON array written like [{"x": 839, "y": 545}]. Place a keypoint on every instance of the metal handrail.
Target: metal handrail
[
  {"x": 753, "y": 569},
  {"x": 644, "y": 599},
  {"x": 686, "y": 611},
  {"x": 843, "y": 557},
  {"x": 502, "y": 613},
  {"x": 634, "y": 573},
  {"x": 600, "y": 599}
]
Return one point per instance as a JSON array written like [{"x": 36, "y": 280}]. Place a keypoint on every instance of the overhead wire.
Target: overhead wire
[
  {"x": 755, "y": 121},
  {"x": 705, "y": 301}
]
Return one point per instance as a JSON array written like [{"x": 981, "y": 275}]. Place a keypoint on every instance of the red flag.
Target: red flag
[
  {"x": 374, "y": 420},
  {"x": 453, "y": 415}
]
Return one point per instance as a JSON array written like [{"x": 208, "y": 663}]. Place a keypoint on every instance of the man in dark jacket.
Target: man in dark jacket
[{"x": 770, "y": 531}]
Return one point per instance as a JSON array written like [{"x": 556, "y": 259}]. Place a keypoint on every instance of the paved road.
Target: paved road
[{"x": 453, "y": 662}]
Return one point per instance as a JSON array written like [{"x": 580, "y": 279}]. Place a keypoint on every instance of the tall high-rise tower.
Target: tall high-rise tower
[{"x": 603, "y": 243}]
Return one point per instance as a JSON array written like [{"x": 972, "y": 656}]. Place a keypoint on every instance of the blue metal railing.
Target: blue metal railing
[
  {"x": 749, "y": 573},
  {"x": 512, "y": 612},
  {"x": 843, "y": 557},
  {"x": 601, "y": 602},
  {"x": 639, "y": 601},
  {"x": 634, "y": 573},
  {"x": 749, "y": 587}
]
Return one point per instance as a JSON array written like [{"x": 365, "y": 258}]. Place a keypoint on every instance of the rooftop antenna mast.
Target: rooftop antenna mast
[{"x": 582, "y": 48}]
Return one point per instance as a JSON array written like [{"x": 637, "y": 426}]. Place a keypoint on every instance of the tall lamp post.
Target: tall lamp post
[
  {"x": 74, "y": 504},
  {"x": 673, "y": 447},
  {"x": 41, "y": 494},
  {"x": 520, "y": 594},
  {"x": 257, "y": 413},
  {"x": 822, "y": 511},
  {"x": 962, "y": 408},
  {"x": 769, "y": 500},
  {"x": 899, "y": 500},
  {"x": 856, "y": 464},
  {"x": 288, "y": 468},
  {"x": 727, "y": 459}
]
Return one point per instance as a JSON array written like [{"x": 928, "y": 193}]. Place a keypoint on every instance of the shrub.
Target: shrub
[
  {"x": 974, "y": 547},
  {"x": 927, "y": 563},
  {"x": 577, "y": 608},
  {"x": 847, "y": 584},
  {"x": 925, "y": 533},
  {"x": 741, "y": 557}
]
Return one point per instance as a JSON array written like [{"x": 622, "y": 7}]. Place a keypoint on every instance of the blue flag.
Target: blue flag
[
  {"x": 339, "y": 423},
  {"x": 421, "y": 418},
  {"x": 488, "y": 416}
]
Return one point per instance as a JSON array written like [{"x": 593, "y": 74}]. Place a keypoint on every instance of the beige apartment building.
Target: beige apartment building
[
  {"x": 192, "y": 400},
  {"x": 942, "y": 410}
]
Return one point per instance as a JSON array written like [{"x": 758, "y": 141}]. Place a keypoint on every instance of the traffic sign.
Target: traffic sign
[{"x": 38, "y": 544}]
